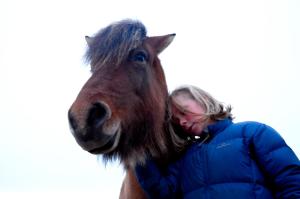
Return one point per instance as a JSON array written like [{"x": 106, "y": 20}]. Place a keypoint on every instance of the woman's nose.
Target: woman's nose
[{"x": 182, "y": 121}]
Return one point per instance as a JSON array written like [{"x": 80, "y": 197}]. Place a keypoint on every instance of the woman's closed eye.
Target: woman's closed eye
[{"x": 175, "y": 120}]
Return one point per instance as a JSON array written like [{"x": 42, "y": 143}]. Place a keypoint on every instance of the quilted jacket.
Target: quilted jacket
[{"x": 232, "y": 160}]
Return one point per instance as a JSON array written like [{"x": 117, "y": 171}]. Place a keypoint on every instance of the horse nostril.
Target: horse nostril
[
  {"x": 97, "y": 115},
  {"x": 72, "y": 122}
]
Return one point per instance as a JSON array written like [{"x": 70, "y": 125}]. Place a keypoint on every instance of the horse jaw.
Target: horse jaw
[{"x": 110, "y": 146}]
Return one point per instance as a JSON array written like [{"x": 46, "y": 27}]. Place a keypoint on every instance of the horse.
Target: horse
[{"x": 121, "y": 112}]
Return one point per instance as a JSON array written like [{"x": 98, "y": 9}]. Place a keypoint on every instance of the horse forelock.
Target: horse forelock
[{"x": 113, "y": 43}]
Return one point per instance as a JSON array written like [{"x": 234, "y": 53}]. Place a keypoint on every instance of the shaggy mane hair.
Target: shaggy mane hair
[{"x": 114, "y": 42}]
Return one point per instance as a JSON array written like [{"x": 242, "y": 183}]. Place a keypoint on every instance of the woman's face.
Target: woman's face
[{"x": 190, "y": 116}]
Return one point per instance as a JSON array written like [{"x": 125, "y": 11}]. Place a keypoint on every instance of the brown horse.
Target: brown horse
[{"x": 121, "y": 111}]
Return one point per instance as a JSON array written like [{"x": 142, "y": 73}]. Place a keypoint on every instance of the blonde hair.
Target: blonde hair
[{"x": 215, "y": 110}]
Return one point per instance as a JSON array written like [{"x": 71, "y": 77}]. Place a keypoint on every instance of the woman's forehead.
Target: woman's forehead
[
  {"x": 181, "y": 104},
  {"x": 183, "y": 99},
  {"x": 182, "y": 96}
]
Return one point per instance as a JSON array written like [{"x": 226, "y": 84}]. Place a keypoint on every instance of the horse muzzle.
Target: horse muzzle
[{"x": 94, "y": 130}]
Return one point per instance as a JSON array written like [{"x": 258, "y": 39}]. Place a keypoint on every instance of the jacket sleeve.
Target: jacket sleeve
[
  {"x": 156, "y": 184},
  {"x": 278, "y": 162}
]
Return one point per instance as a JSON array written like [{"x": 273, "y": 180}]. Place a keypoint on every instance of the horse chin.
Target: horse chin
[{"x": 109, "y": 146}]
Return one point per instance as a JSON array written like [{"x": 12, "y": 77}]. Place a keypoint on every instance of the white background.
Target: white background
[{"x": 245, "y": 53}]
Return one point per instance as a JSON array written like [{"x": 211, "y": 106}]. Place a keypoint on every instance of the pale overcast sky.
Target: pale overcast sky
[{"x": 245, "y": 53}]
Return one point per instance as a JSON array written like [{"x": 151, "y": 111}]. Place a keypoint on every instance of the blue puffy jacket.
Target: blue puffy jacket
[{"x": 241, "y": 160}]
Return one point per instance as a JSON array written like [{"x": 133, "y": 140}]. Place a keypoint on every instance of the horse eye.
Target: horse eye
[{"x": 139, "y": 56}]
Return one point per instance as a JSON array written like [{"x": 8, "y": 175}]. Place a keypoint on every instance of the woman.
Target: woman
[{"x": 224, "y": 159}]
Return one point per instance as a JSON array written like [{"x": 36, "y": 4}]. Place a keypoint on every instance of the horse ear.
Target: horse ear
[
  {"x": 159, "y": 43},
  {"x": 89, "y": 40}
]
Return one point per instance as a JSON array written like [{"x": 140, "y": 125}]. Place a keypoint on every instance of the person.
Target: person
[{"x": 222, "y": 159}]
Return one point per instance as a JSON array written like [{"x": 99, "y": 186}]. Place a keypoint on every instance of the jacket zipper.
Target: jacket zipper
[{"x": 203, "y": 153}]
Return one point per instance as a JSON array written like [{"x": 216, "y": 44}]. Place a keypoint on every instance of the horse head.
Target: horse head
[{"x": 120, "y": 112}]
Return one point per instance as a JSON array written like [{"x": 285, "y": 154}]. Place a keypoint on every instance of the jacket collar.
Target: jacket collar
[{"x": 218, "y": 126}]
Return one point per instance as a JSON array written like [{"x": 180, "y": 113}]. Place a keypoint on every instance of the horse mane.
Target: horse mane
[{"x": 113, "y": 43}]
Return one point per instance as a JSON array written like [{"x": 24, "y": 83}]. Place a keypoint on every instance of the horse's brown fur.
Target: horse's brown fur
[
  {"x": 121, "y": 111},
  {"x": 131, "y": 188}
]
